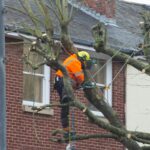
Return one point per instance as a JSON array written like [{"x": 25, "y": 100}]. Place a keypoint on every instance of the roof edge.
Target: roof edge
[{"x": 78, "y": 42}]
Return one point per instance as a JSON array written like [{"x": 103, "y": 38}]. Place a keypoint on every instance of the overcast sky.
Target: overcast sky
[{"x": 139, "y": 1}]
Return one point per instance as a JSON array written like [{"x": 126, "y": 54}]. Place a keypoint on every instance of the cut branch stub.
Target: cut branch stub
[{"x": 99, "y": 34}]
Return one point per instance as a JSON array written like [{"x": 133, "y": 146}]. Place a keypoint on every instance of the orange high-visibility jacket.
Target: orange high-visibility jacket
[{"x": 74, "y": 68}]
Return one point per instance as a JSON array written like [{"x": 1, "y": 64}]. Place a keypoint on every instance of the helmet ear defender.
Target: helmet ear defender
[
  {"x": 83, "y": 55},
  {"x": 83, "y": 58}
]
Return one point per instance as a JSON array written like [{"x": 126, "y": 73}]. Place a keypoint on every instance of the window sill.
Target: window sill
[{"x": 46, "y": 111}]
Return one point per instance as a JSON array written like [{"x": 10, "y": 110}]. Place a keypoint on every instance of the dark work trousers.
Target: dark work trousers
[{"x": 59, "y": 86}]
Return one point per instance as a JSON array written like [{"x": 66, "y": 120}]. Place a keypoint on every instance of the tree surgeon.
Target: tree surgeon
[{"x": 74, "y": 65}]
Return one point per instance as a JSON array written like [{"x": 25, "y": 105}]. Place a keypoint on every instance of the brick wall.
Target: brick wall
[
  {"x": 104, "y": 7},
  {"x": 119, "y": 90},
  {"x": 28, "y": 132}
]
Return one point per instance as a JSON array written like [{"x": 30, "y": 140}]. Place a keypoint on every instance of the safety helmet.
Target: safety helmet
[{"x": 84, "y": 55}]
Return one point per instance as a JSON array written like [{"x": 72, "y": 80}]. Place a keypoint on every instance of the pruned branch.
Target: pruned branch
[
  {"x": 141, "y": 140},
  {"x": 83, "y": 137},
  {"x": 142, "y": 135}
]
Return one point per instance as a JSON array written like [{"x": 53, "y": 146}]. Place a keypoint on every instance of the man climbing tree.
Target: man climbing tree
[{"x": 74, "y": 65}]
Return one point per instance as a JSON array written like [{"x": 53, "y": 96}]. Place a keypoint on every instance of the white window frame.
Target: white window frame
[
  {"x": 45, "y": 90},
  {"x": 108, "y": 93},
  {"x": 46, "y": 78}
]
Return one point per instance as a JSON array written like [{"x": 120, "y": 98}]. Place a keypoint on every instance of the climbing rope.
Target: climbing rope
[
  {"x": 71, "y": 144},
  {"x": 120, "y": 70},
  {"x": 73, "y": 129},
  {"x": 32, "y": 72},
  {"x": 33, "y": 114}
]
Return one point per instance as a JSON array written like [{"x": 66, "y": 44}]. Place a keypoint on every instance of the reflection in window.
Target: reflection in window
[{"x": 99, "y": 73}]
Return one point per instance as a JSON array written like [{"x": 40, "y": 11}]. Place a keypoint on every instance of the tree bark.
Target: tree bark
[{"x": 145, "y": 68}]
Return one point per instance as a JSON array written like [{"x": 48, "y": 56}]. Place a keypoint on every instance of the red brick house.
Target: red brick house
[{"x": 26, "y": 130}]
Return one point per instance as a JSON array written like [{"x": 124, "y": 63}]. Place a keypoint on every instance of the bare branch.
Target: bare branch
[
  {"x": 47, "y": 18},
  {"x": 33, "y": 66},
  {"x": 83, "y": 137},
  {"x": 141, "y": 135},
  {"x": 141, "y": 140},
  {"x": 35, "y": 20}
]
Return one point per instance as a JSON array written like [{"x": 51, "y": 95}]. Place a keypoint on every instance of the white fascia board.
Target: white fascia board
[
  {"x": 84, "y": 47},
  {"x": 19, "y": 35}
]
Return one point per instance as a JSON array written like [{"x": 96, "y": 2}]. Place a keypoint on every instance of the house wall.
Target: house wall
[
  {"x": 118, "y": 86},
  {"x": 104, "y": 7},
  {"x": 28, "y": 131},
  {"x": 138, "y": 100}
]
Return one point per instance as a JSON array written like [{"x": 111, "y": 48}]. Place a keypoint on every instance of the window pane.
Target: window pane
[
  {"x": 32, "y": 88},
  {"x": 98, "y": 73},
  {"x": 93, "y": 108},
  {"x": 34, "y": 58}
]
